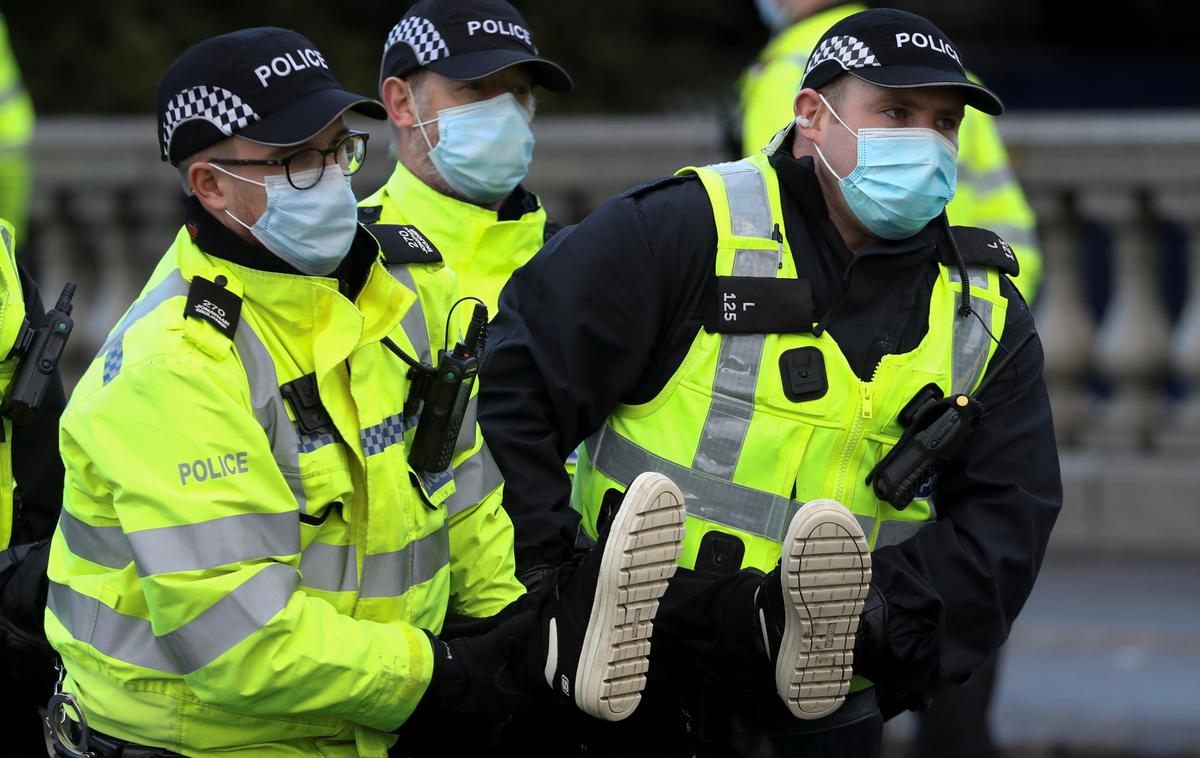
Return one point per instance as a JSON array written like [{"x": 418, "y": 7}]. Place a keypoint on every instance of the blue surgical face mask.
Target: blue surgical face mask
[
  {"x": 484, "y": 149},
  {"x": 772, "y": 14},
  {"x": 903, "y": 180},
  {"x": 310, "y": 229}
]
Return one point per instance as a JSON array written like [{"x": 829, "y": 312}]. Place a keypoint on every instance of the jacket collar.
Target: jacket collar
[
  {"x": 408, "y": 190},
  {"x": 218, "y": 240}
]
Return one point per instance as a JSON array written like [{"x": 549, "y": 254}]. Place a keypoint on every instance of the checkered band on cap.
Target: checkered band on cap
[
  {"x": 419, "y": 34},
  {"x": 216, "y": 105},
  {"x": 847, "y": 51}
]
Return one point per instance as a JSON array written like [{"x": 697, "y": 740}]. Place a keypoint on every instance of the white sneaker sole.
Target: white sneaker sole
[
  {"x": 826, "y": 572},
  {"x": 641, "y": 555}
]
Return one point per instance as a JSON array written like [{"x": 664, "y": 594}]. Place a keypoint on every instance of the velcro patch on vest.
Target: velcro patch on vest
[
  {"x": 215, "y": 304},
  {"x": 401, "y": 243},
  {"x": 757, "y": 305}
]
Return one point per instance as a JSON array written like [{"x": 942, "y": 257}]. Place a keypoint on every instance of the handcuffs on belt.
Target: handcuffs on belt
[{"x": 68, "y": 731}]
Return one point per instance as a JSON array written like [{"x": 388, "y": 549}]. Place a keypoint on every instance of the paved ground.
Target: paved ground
[{"x": 1105, "y": 660}]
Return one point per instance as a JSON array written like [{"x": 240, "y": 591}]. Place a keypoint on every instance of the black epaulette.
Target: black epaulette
[
  {"x": 401, "y": 243},
  {"x": 653, "y": 184},
  {"x": 211, "y": 302},
  {"x": 980, "y": 247},
  {"x": 369, "y": 214},
  {"x": 550, "y": 230}
]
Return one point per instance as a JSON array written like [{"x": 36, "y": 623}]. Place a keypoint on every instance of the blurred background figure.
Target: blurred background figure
[
  {"x": 16, "y": 132},
  {"x": 988, "y": 194}
]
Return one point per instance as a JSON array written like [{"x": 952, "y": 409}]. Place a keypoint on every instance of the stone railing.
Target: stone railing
[{"x": 1114, "y": 193}]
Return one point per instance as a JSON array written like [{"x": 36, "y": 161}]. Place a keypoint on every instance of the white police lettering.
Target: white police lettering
[
  {"x": 731, "y": 306},
  {"x": 213, "y": 312},
  {"x": 917, "y": 39},
  {"x": 221, "y": 466},
  {"x": 287, "y": 63},
  {"x": 415, "y": 240},
  {"x": 1000, "y": 244},
  {"x": 505, "y": 28}
]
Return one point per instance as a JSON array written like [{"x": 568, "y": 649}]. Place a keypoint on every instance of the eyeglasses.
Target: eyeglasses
[{"x": 304, "y": 168}]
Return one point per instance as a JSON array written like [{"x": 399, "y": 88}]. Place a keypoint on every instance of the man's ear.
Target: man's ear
[
  {"x": 397, "y": 98},
  {"x": 806, "y": 106},
  {"x": 203, "y": 180}
]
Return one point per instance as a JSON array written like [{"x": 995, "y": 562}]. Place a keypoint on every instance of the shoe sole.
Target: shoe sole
[
  {"x": 827, "y": 570},
  {"x": 641, "y": 555}
]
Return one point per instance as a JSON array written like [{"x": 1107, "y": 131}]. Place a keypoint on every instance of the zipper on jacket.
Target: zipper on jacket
[{"x": 854, "y": 437}]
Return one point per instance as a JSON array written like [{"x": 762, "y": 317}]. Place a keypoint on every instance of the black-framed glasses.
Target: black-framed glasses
[{"x": 304, "y": 168}]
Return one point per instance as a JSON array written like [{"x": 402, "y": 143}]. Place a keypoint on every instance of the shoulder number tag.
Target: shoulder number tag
[
  {"x": 213, "y": 303},
  {"x": 757, "y": 305}
]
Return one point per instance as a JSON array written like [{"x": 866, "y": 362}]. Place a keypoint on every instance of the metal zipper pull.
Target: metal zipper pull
[{"x": 778, "y": 237}]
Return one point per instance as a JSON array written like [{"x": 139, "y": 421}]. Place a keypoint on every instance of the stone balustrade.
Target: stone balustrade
[{"x": 1118, "y": 203}]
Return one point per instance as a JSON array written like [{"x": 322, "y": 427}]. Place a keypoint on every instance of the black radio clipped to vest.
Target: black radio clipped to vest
[
  {"x": 39, "y": 347},
  {"x": 440, "y": 395},
  {"x": 935, "y": 429}
]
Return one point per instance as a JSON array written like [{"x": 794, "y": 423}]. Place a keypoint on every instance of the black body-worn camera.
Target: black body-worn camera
[
  {"x": 39, "y": 348},
  {"x": 441, "y": 395}
]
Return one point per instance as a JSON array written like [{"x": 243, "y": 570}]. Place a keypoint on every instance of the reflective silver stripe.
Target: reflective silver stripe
[
  {"x": 895, "y": 532},
  {"x": 328, "y": 567},
  {"x": 172, "y": 286},
  {"x": 393, "y": 574},
  {"x": 413, "y": 323},
  {"x": 231, "y": 619},
  {"x": 10, "y": 93},
  {"x": 984, "y": 182},
  {"x": 102, "y": 545},
  {"x": 7, "y": 239},
  {"x": 706, "y": 497},
  {"x": 219, "y": 542},
  {"x": 1015, "y": 235},
  {"x": 474, "y": 479},
  {"x": 269, "y": 409},
  {"x": 738, "y": 361},
  {"x": 125, "y": 638},
  {"x": 971, "y": 340},
  {"x": 746, "y": 191}
]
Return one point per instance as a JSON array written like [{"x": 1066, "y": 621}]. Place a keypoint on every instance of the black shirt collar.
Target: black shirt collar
[
  {"x": 218, "y": 240},
  {"x": 519, "y": 202}
]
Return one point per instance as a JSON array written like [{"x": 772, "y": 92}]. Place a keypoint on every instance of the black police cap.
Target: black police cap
[
  {"x": 466, "y": 39},
  {"x": 891, "y": 48},
  {"x": 267, "y": 85}
]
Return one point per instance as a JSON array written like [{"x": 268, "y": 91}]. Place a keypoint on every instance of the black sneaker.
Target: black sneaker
[
  {"x": 809, "y": 606},
  {"x": 598, "y": 623}
]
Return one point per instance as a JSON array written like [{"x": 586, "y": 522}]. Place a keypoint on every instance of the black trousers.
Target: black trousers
[
  {"x": 710, "y": 693},
  {"x": 956, "y": 723}
]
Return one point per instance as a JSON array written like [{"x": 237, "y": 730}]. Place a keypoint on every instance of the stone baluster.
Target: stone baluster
[
  {"x": 1064, "y": 325},
  {"x": 1181, "y": 430},
  {"x": 111, "y": 287},
  {"x": 1133, "y": 344}
]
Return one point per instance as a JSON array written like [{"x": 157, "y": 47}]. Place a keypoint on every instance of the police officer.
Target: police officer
[
  {"x": 826, "y": 335},
  {"x": 458, "y": 81},
  {"x": 251, "y": 560},
  {"x": 31, "y": 480},
  {"x": 16, "y": 132},
  {"x": 988, "y": 194}
]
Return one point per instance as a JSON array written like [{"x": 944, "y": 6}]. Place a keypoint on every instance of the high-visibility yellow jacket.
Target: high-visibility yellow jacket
[
  {"x": 482, "y": 249},
  {"x": 988, "y": 194},
  {"x": 224, "y": 582},
  {"x": 16, "y": 132},
  {"x": 12, "y": 315}
]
